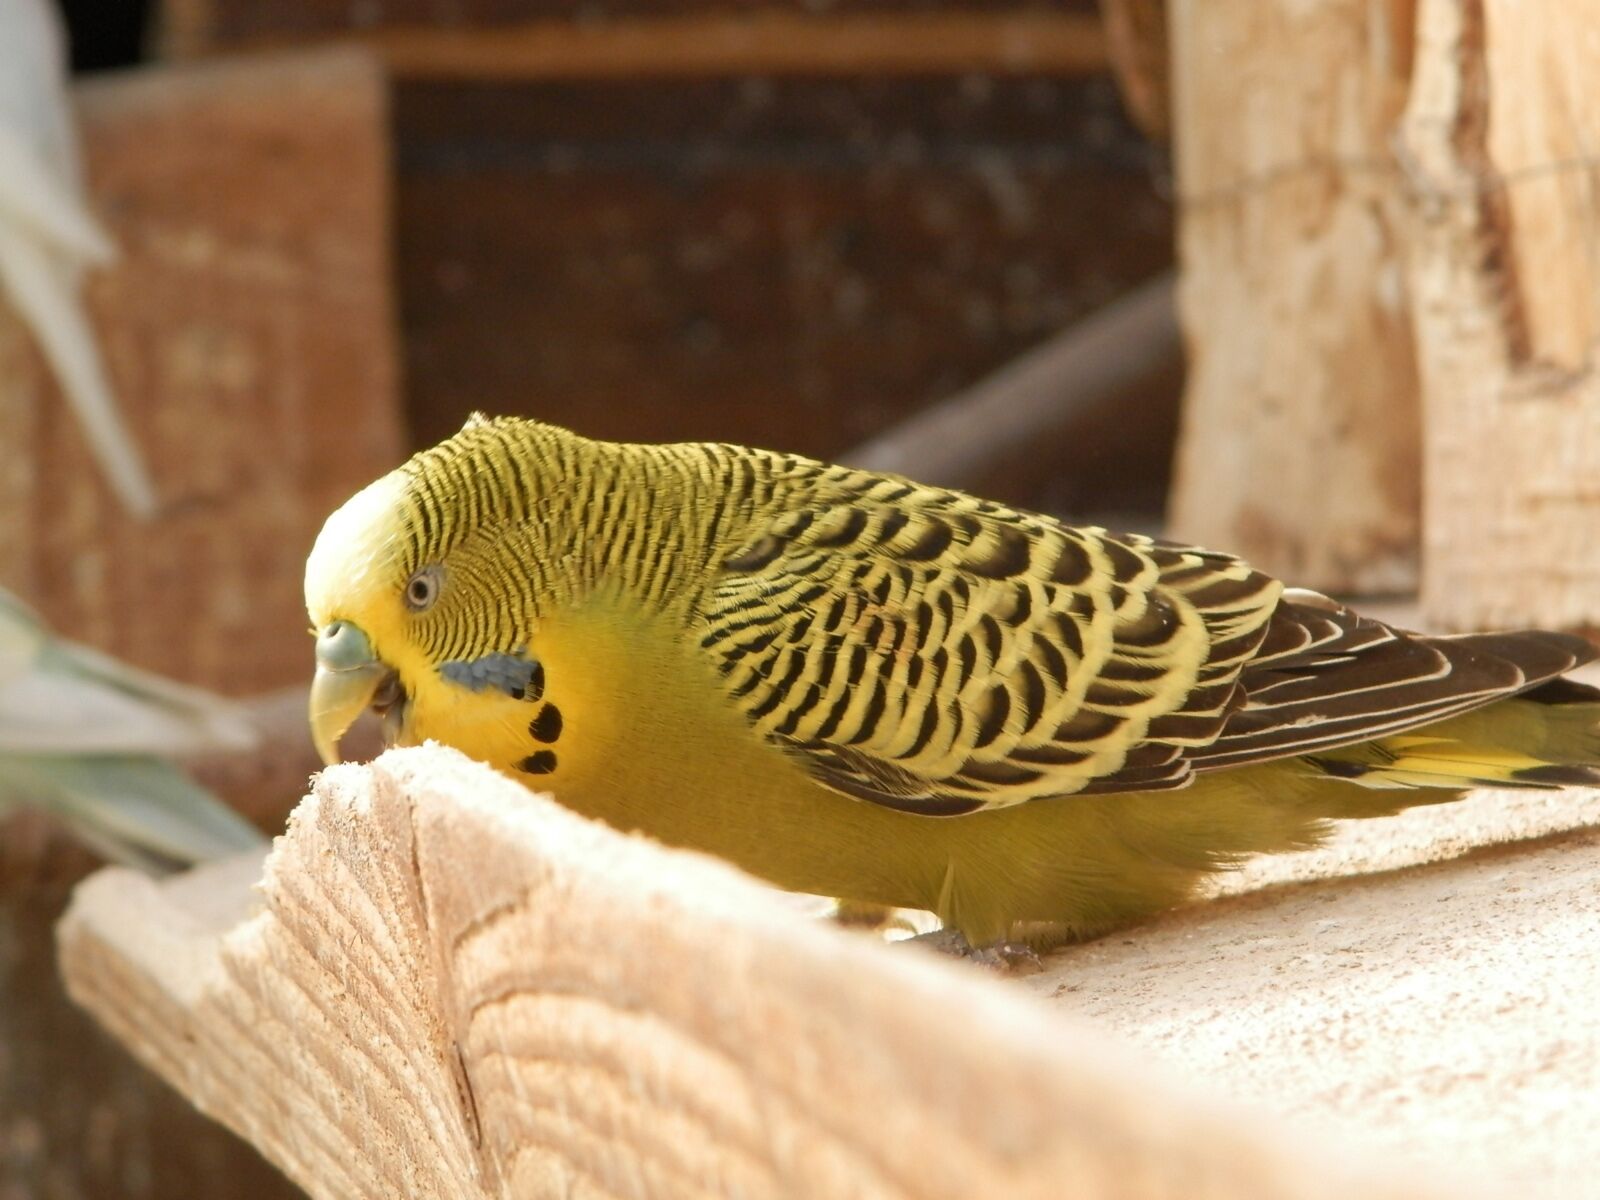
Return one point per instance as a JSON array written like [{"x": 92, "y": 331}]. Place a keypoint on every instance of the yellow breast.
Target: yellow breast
[{"x": 648, "y": 742}]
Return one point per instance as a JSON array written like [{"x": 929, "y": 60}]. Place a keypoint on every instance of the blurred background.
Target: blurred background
[
  {"x": 344, "y": 227},
  {"x": 1276, "y": 277}
]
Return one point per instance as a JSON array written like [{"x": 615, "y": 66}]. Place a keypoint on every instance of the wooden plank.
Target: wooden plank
[
  {"x": 1300, "y": 438},
  {"x": 248, "y": 332},
  {"x": 1502, "y": 135},
  {"x": 759, "y": 43},
  {"x": 1063, "y": 30},
  {"x": 1412, "y": 986},
  {"x": 447, "y": 987}
]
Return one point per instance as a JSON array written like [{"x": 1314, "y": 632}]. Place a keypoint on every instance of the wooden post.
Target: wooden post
[
  {"x": 448, "y": 987},
  {"x": 1299, "y": 444},
  {"x": 247, "y": 328},
  {"x": 1501, "y": 135}
]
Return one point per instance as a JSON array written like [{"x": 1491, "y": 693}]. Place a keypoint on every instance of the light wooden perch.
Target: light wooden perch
[{"x": 449, "y": 988}]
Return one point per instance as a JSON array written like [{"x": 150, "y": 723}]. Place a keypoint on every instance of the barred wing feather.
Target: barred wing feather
[{"x": 941, "y": 654}]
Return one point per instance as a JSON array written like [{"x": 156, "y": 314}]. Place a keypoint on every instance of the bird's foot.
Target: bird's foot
[{"x": 1007, "y": 958}]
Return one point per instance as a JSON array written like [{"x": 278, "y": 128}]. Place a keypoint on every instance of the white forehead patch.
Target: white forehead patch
[{"x": 356, "y": 548}]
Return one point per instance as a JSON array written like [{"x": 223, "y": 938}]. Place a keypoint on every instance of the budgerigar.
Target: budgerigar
[
  {"x": 48, "y": 236},
  {"x": 85, "y": 737},
  {"x": 898, "y": 695}
]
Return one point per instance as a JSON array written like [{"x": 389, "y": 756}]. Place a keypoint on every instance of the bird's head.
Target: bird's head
[{"x": 437, "y": 566}]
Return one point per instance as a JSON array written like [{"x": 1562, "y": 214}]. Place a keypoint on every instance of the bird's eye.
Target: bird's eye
[{"x": 422, "y": 589}]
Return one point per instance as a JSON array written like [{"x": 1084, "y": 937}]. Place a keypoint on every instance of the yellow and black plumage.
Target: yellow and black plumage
[{"x": 853, "y": 684}]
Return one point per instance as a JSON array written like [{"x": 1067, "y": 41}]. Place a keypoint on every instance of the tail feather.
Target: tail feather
[
  {"x": 1542, "y": 654},
  {"x": 1546, "y": 738},
  {"x": 1560, "y": 775}
]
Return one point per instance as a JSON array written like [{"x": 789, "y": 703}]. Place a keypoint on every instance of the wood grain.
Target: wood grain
[
  {"x": 1503, "y": 141},
  {"x": 248, "y": 332},
  {"x": 1300, "y": 438},
  {"x": 446, "y": 987}
]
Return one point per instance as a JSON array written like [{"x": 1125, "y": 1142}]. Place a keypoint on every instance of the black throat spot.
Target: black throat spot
[{"x": 540, "y": 763}]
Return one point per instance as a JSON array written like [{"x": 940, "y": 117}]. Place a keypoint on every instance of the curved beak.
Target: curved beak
[{"x": 348, "y": 680}]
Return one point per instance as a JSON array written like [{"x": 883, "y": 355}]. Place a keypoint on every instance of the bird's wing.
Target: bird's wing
[
  {"x": 22, "y": 637},
  {"x": 1325, "y": 676},
  {"x": 54, "y": 712},
  {"x": 77, "y": 732},
  {"x": 941, "y": 654},
  {"x": 40, "y": 169}
]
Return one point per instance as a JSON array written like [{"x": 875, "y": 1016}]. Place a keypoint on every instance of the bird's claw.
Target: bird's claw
[{"x": 1007, "y": 958}]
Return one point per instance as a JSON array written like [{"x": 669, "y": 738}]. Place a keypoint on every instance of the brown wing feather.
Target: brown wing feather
[
  {"x": 1326, "y": 676},
  {"x": 932, "y": 652},
  {"x": 937, "y": 653}
]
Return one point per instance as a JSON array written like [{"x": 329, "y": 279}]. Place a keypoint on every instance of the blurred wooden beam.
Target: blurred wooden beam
[
  {"x": 247, "y": 327},
  {"x": 1300, "y": 443},
  {"x": 701, "y": 45},
  {"x": 1065, "y": 383},
  {"x": 447, "y": 987},
  {"x": 1500, "y": 140}
]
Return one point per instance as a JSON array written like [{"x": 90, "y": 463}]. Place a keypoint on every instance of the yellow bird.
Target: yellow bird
[{"x": 851, "y": 684}]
